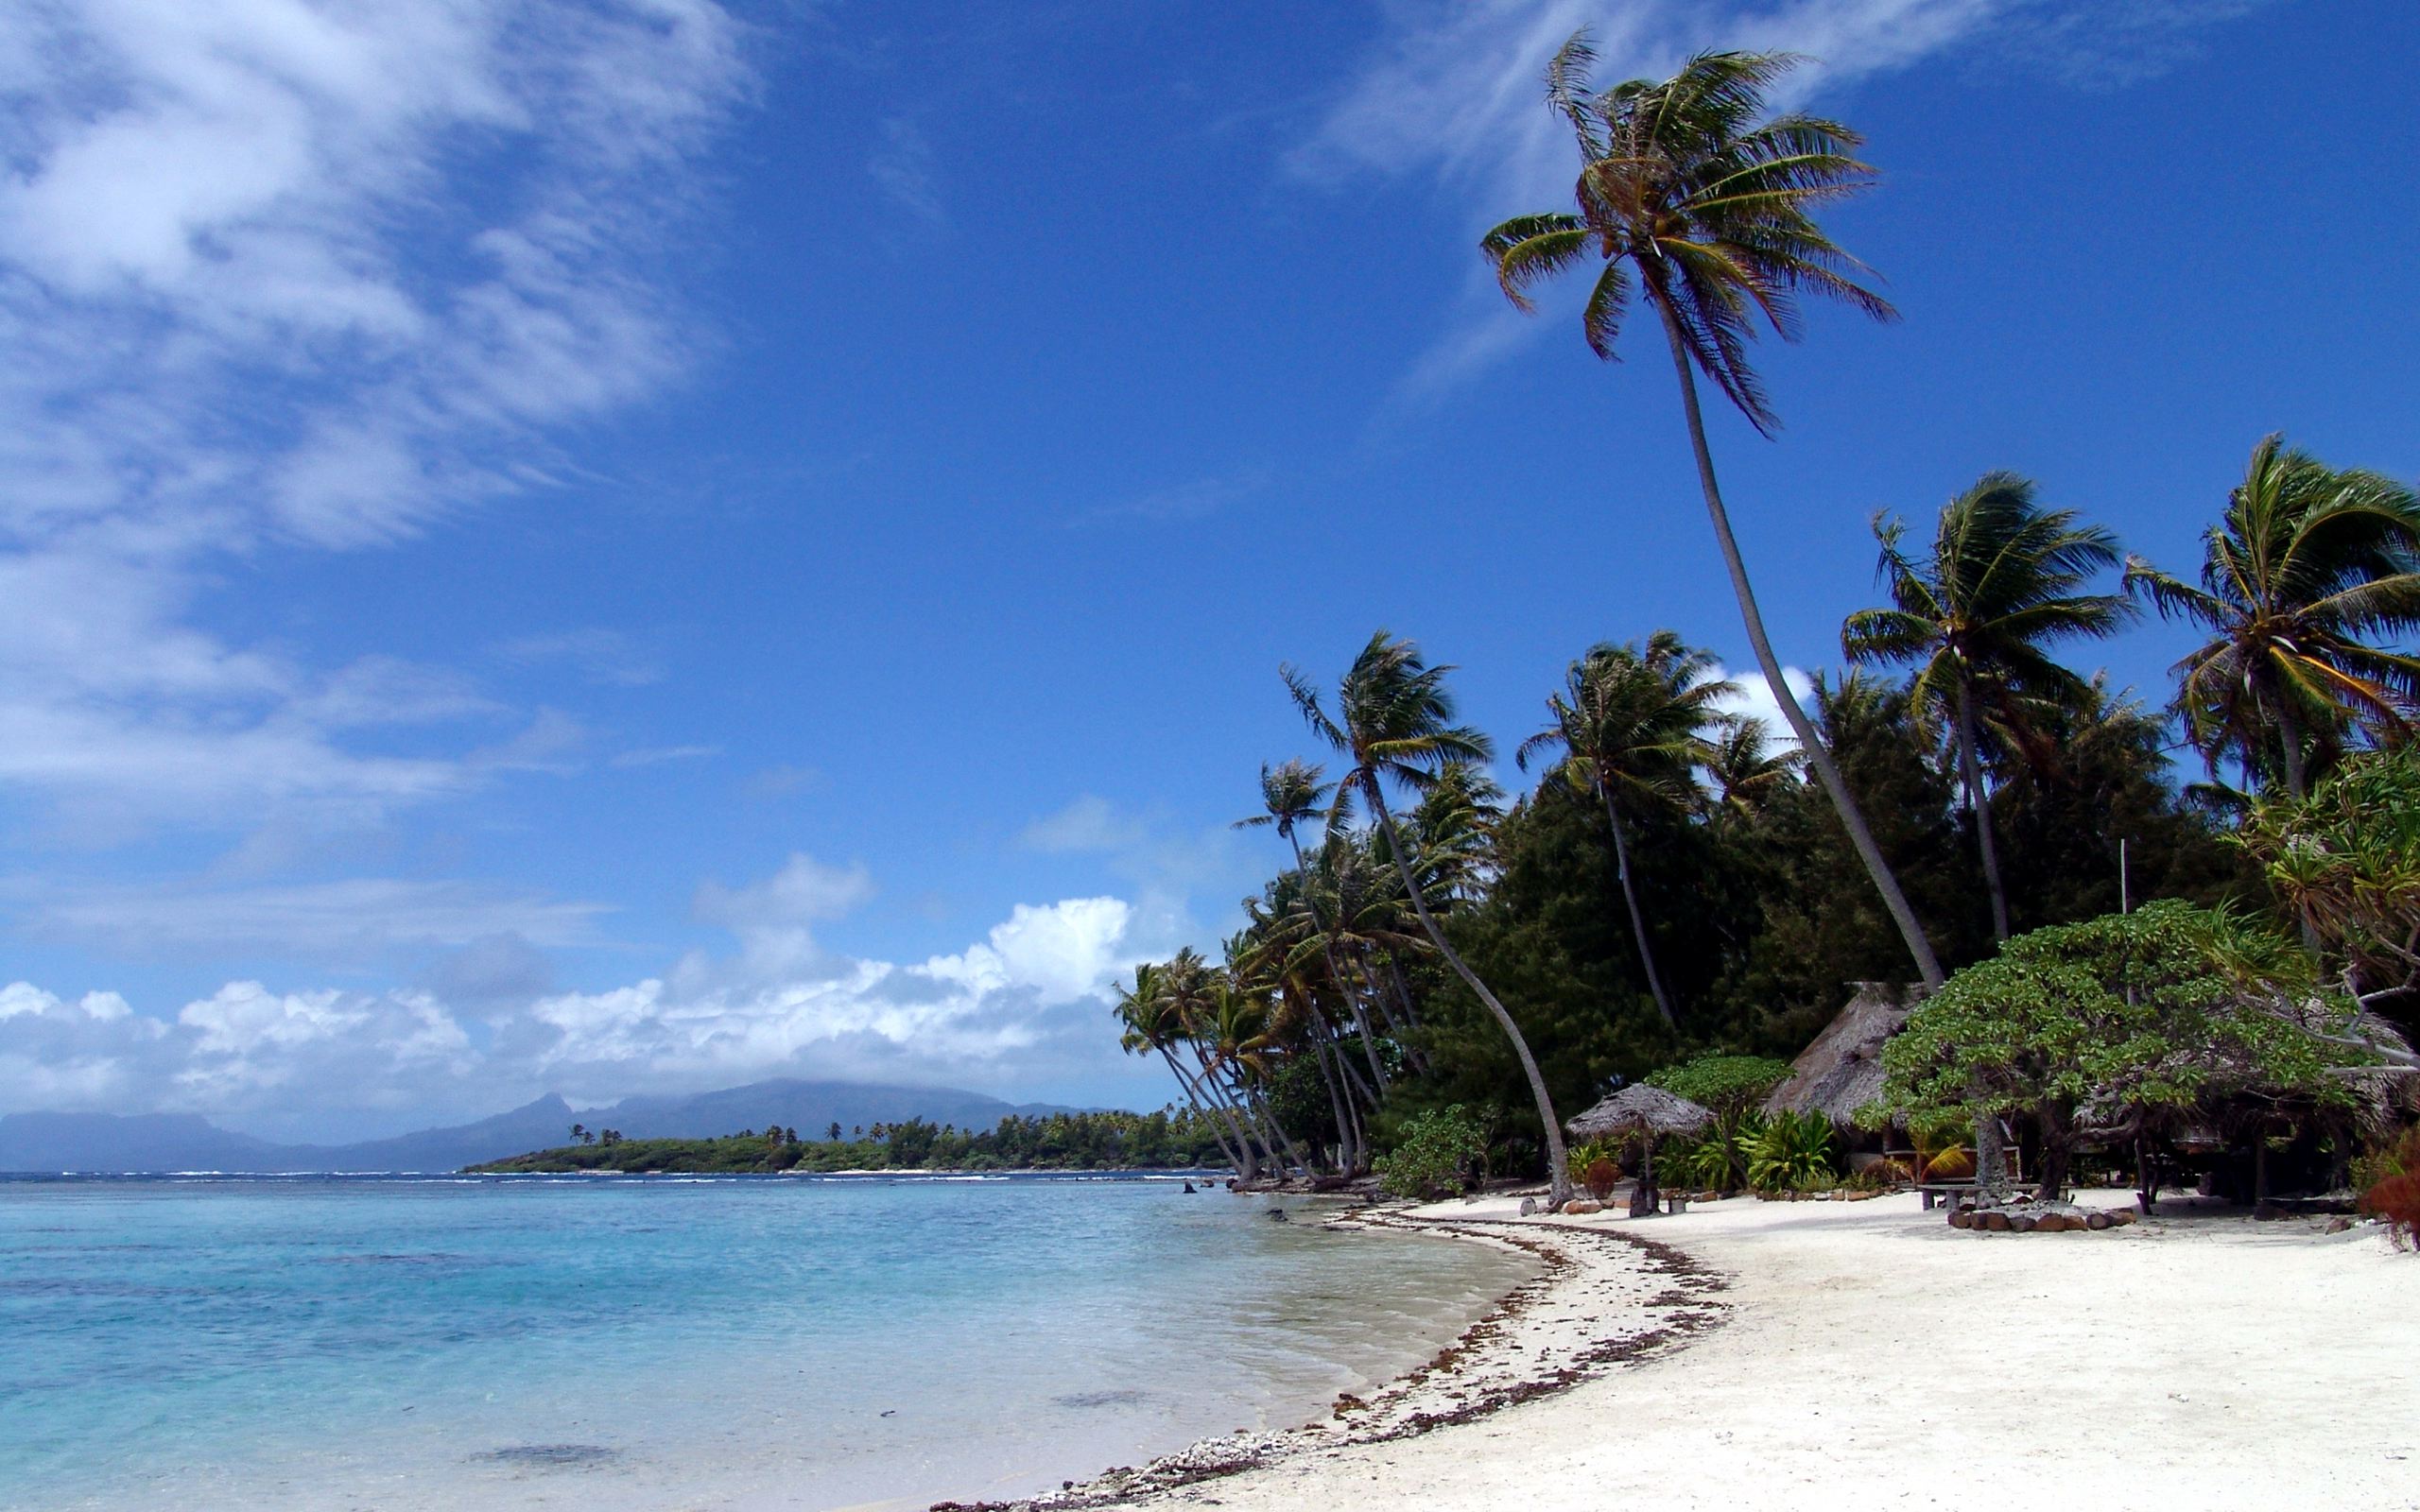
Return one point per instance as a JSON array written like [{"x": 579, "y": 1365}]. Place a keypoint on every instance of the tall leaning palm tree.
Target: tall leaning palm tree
[
  {"x": 1631, "y": 724},
  {"x": 1291, "y": 793},
  {"x": 1394, "y": 721},
  {"x": 1691, "y": 189},
  {"x": 2002, "y": 581},
  {"x": 2308, "y": 572}
]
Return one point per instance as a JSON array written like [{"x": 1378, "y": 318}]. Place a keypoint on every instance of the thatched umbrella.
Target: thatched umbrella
[{"x": 1646, "y": 1113}]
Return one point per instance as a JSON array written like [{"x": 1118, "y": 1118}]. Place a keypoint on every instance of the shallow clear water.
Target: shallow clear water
[{"x": 667, "y": 1343}]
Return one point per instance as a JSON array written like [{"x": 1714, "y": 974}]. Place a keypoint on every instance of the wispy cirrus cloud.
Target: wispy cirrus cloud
[
  {"x": 276, "y": 272},
  {"x": 905, "y": 169},
  {"x": 352, "y": 920}
]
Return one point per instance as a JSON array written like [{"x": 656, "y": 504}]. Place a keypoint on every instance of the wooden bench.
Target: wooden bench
[{"x": 1676, "y": 1202}]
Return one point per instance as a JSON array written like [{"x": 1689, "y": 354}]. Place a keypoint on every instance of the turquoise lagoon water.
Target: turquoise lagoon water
[{"x": 666, "y": 1343}]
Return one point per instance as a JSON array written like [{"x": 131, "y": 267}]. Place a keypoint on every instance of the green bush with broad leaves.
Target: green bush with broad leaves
[
  {"x": 1439, "y": 1150},
  {"x": 1791, "y": 1152}
]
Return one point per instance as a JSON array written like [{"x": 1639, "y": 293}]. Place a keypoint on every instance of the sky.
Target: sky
[{"x": 643, "y": 545}]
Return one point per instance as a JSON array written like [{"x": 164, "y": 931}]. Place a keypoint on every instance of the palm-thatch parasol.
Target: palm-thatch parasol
[
  {"x": 1639, "y": 1109},
  {"x": 1645, "y": 1113}
]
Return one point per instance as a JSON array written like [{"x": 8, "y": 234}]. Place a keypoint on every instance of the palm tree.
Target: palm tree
[
  {"x": 2001, "y": 581},
  {"x": 1631, "y": 723},
  {"x": 1151, "y": 1024},
  {"x": 1743, "y": 766},
  {"x": 1691, "y": 186},
  {"x": 2308, "y": 570},
  {"x": 1395, "y": 720},
  {"x": 1291, "y": 792}
]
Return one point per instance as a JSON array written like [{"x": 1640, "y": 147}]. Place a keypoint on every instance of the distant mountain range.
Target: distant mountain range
[{"x": 184, "y": 1142}]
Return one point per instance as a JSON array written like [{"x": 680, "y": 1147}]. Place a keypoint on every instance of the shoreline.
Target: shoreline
[
  {"x": 1869, "y": 1355},
  {"x": 1604, "y": 1298}
]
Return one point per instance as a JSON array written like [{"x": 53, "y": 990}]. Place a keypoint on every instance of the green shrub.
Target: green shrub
[
  {"x": 1439, "y": 1149},
  {"x": 1791, "y": 1153},
  {"x": 1704, "y": 1162}
]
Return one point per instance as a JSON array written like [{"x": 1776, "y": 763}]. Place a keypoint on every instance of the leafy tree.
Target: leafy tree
[
  {"x": 2144, "y": 1012},
  {"x": 1439, "y": 1151},
  {"x": 1732, "y": 1088},
  {"x": 1394, "y": 720},
  {"x": 2001, "y": 581},
  {"x": 2307, "y": 573},
  {"x": 1632, "y": 725},
  {"x": 1689, "y": 184},
  {"x": 2344, "y": 863}
]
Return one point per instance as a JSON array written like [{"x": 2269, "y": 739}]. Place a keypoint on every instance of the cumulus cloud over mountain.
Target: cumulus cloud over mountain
[{"x": 776, "y": 1001}]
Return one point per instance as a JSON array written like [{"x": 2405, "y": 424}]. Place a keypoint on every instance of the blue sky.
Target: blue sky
[{"x": 638, "y": 546}]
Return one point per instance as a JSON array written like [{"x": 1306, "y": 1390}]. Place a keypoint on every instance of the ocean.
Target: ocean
[{"x": 667, "y": 1344}]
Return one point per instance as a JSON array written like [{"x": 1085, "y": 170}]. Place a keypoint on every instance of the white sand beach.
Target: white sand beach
[{"x": 1862, "y": 1355}]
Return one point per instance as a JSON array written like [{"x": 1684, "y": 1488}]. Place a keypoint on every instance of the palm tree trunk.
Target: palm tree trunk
[
  {"x": 1293, "y": 1157},
  {"x": 1818, "y": 755},
  {"x": 1637, "y": 920},
  {"x": 1335, "y": 1102},
  {"x": 1238, "y": 1113},
  {"x": 1557, "y": 1171},
  {"x": 2290, "y": 738},
  {"x": 1241, "y": 1153},
  {"x": 1335, "y": 974},
  {"x": 1970, "y": 772}
]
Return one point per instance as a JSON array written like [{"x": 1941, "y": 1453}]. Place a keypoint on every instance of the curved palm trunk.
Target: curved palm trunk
[
  {"x": 1292, "y": 1158},
  {"x": 1238, "y": 1154},
  {"x": 1240, "y": 1113},
  {"x": 1344, "y": 1155},
  {"x": 1637, "y": 920},
  {"x": 1818, "y": 755},
  {"x": 1558, "y": 1164},
  {"x": 1970, "y": 772},
  {"x": 1336, "y": 974}
]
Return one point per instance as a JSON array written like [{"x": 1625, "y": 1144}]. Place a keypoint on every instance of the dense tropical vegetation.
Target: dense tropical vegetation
[
  {"x": 1172, "y": 1139},
  {"x": 1439, "y": 971}
]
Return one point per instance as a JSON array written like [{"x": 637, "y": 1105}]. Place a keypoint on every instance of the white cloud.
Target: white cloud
[
  {"x": 357, "y": 920},
  {"x": 293, "y": 271},
  {"x": 660, "y": 755},
  {"x": 804, "y": 891},
  {"x": 1754, "y": 698},
  {"x": 1087, "y": 823},
  {"x": 903, "y": 167},
  {"x": 606, "y": 657},
  {"x": 1023, "y": 1004}
]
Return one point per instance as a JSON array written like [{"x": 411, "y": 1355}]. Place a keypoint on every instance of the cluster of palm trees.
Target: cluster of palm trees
[{"x": 1696, "y": 200}]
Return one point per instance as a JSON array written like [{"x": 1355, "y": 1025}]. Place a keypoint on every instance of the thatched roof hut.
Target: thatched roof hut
[
  {"x": 1639, "y": 1109},
  {"x": 1842, "y": 1071}
]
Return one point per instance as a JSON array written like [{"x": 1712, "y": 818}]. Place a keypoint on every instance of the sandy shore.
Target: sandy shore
[{"x": 1859, "y": 1355}]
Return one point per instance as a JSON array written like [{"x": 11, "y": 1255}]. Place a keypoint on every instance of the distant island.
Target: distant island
[
  {"x": 1113, "y": 1140},
  {"x": 120, "y": 1144}
]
